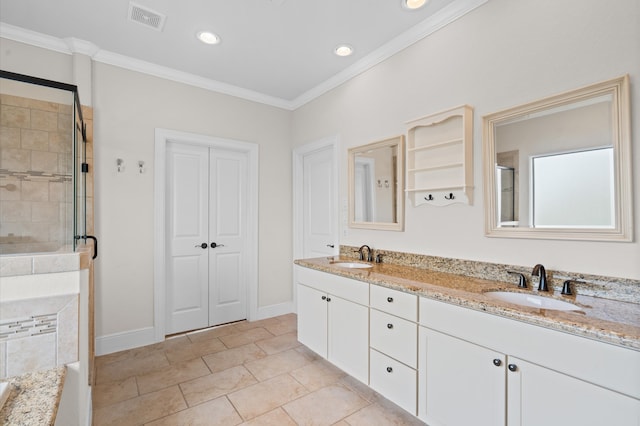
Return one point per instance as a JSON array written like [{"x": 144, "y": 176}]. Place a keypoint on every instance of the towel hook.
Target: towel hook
[
  {"x": 450, "y": 197},
  {"x": 429, "y": 198}
]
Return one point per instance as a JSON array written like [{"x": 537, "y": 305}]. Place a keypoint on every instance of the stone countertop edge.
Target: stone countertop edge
[
  {"x": 605, "y": 320},
  {"x": 34, "y": 398}
]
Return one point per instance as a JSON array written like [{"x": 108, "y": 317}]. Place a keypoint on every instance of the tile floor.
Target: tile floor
[{"x": 246, "y": 373}]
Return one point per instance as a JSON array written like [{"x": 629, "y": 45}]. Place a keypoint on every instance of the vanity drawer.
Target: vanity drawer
[
  {"x": 403, "y": 305},
  {"x": 394, "y": 380},
  {"x": 346, "y": 288},
  {"x": 394, "y": 336}
]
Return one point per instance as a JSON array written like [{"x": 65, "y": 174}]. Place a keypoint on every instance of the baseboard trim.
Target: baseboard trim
[
  {"x": 274, "y": 310},
  {"x": 126, "y": 340}
]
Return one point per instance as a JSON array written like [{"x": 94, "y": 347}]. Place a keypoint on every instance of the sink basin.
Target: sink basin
[
  {"x": 352, "y": 265},
  {"x": 532, "y": 300}
]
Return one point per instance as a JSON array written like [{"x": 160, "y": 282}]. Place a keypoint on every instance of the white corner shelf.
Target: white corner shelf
[{"x": 440, "y": 158}]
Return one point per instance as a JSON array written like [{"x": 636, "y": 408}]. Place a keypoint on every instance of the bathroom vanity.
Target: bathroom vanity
[{"x": 436, "y": 345}]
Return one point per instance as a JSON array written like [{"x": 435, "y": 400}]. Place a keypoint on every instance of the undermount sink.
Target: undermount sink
[
  {"x": 532, "y": 300},
  {"x": 352, "y": 265}
]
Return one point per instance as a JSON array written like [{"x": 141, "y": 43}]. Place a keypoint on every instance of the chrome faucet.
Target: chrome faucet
[
  {"x": 539, "y": 271},
  {"x": 369, "y": 253}
]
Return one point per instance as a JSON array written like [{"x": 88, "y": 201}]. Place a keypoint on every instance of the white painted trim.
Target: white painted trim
[
  {"x": 126, "y": 340},
  {"x": 274, "y": 310},
  {"x": 299, "y": 153},
  {"x": 162, "y": 137},
  {"x": 430, "y": 25}
]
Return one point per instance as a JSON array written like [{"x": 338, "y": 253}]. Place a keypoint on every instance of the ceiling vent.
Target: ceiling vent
[{"x": 147, "y": 17}]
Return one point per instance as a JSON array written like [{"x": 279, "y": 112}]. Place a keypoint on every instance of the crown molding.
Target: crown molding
[
  {"x": 414, "y": 34},
  {"x": 71, "y": 46}
]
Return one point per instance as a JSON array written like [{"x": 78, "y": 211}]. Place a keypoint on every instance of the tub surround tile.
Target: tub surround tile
[{"x": 604, "y": 319}]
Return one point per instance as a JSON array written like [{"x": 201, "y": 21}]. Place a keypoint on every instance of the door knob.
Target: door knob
[
  {"x": 203, "y": 245},
  {"x": 214, "y": 245},
  {"x": 330, "y": 245}
]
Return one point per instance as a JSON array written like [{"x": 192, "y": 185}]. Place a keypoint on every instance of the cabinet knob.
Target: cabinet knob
[
  {"x": 389, "y": 369},
  {"x": 328, "y": 299},
  {"x": 324, "y": 297},
  {"x": 512, "y": 367},
  {"x": 389, "y": 299},
  {"x": 389, "y": 326},
  {"x": 497, "y": 362}
]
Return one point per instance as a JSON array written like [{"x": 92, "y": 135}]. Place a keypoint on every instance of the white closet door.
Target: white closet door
[
  {"x": 228, "y": 280},
  {"x": 188, "y": 222}
]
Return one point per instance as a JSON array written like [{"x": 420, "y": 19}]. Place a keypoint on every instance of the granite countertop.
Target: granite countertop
[
  {"x": 602, "y": 319},
  {"x": 34, "y": 398}
]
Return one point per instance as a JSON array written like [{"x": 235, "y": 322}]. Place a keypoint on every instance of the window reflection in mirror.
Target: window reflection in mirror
[
  {"x": 561, "y": 167},
  {"x": 375, "y": 185}
]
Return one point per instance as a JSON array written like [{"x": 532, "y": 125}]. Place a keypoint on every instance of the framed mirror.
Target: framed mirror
[
  {"x": 376, "y": 185},
  {"x": 560, "y": 167}
]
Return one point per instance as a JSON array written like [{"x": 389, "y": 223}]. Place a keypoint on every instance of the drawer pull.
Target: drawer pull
[
  {"x": 389, "y": 326},
  {"x": 389, "y": 369},
  {"x": 390, "y": 299},
  {"x": 497, "y": 362},
  {"x": 512, "y": 367}
]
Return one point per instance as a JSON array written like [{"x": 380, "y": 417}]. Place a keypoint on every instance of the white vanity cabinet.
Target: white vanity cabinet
[
  {"x": 333, "y": 319},
  {"x": 394, "y": 346},
  {"x": 477, "y": 368}
]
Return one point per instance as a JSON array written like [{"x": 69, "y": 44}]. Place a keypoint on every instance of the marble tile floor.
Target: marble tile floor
[{"x": 246, "y": 373}]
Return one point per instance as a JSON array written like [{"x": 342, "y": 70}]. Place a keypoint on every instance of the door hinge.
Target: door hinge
[{"x": 85, "y": 168}]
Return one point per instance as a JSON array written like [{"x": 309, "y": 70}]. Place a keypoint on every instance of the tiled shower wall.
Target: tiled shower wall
[{"x": 36, "y": 166}]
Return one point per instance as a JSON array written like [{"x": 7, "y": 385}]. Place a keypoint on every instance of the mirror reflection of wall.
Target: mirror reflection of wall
[
  {"x": 373, "y": 191},
  {"x": 563, "y": 129},
  {"x": 376, "y": 190}
]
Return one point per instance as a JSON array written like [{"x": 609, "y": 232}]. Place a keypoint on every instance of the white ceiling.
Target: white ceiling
[{"x": 278, "y": 52}]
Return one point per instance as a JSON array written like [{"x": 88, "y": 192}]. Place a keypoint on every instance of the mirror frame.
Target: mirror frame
[
  {"x": 385, "y": 226},
  {"x": 618, "y": 88}
]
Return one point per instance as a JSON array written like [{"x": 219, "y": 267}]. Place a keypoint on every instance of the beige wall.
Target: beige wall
[
  {"x": 128, "y": 106},
  {"x": 502, "y": 54}
]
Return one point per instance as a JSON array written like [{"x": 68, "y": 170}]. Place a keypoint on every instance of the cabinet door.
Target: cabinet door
[
  {"x": 349, "y": 337},
  {"x": 539, "y": 396},
  {"x": 460, "y": 383},
  {"x": 312, "y": 319}
]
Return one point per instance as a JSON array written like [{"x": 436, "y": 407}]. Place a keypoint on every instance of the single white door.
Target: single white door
[
  {"x": 207, "y": 276},
  {"x": 319, "y": 204},
  {"x": 227, "y": 228},
  {"x": 188, "y": 230}
]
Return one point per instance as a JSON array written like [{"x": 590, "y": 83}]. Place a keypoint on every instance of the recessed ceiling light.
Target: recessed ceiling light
[
  {"x": 208, "y": 37},
  {"x": 413, "y": 4},
  {"x": 343, "y": 50}
]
